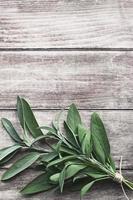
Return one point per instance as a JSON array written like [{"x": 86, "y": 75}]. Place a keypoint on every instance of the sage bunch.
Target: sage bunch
[{"x": 65, "y": 155}]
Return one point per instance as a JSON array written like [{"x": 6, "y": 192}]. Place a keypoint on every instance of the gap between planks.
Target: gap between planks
[
  {"x": 67, "y": 49},
  {"x": 58, "y": 109}
]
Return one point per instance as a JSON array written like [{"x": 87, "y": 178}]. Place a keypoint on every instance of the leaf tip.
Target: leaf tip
[
  {"x": 18, "y": 98},
  {"x": 73, "y": 105},
  {"x": 95, "y": 114},
  {"x": 3, "y": 120},
  {"x": 3, "y": 178},
  {"x": 22, "y": 191}
]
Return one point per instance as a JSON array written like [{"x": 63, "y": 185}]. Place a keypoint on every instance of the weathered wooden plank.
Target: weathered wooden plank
[
  {"x": 101, "y": 191},
  {"x": 119, "y": 126},
  {"x": 51, "y": 80},
  {"x": 52, "y": 23}
]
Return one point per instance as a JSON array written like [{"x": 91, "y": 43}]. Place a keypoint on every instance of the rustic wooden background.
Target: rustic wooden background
[{"x": 55, "y": 52}]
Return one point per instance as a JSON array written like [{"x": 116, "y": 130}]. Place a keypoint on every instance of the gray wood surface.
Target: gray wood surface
[
  {"x": 56, "y": 52},
  {"x": 49, "y": 80},
  {"x": 70, "y": 24}
]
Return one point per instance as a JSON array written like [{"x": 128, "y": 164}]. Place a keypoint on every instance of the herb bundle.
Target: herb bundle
[{"x": 64, "y": 155}]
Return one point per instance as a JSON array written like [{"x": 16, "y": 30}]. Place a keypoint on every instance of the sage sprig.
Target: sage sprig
[{"x": 76, "y": 152}]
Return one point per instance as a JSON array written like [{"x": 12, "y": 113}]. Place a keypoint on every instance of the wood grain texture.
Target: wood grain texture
[
  {"x": 52, "y": 80},
  {"x": 67, "y": 24},
  {"x": 119, "y": 127},
  {"x": 101, "y": 191}
]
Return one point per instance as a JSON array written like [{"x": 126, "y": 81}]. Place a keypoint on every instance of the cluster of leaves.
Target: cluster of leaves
[{"x": 76, "y": 151}]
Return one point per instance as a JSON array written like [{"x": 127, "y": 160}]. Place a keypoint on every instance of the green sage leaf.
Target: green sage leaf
[
  {"x": 11, "y": 130},
  {"x": 91, "y": 171},
  {"x": 7, "y": 158},
  {"x": 70, "y": 135},
  {"x": 62, "y": 179},
  {"x": 56, "y": 120},
  {"x": 60, "y": 160},
  {"x": 99, "y": 137},
  {"x": 112, "y": 163},
  {"x": 20, "y": 165},
  {"x": 85, "y": 139},
  {"x": 95, "y": 173},
  {"x": 20, "y": 111},
  {"x": 49, "y": 156},
  {"x": 67, "y": 150},
  {"x": 73, "y": 118},
  {"x": 39, "y": 184},
  {"x": 55, "y": 178},
  {"x": 9, "y": 150},
  {"x": 49, "y": 129},
  {"x": 86, "y": 188},
  {"x": 26, "y": 116},
  {"x": 74, "y": 169}
]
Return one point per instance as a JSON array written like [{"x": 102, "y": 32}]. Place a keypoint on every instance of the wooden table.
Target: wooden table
[{"x": 55, "y": 52}]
